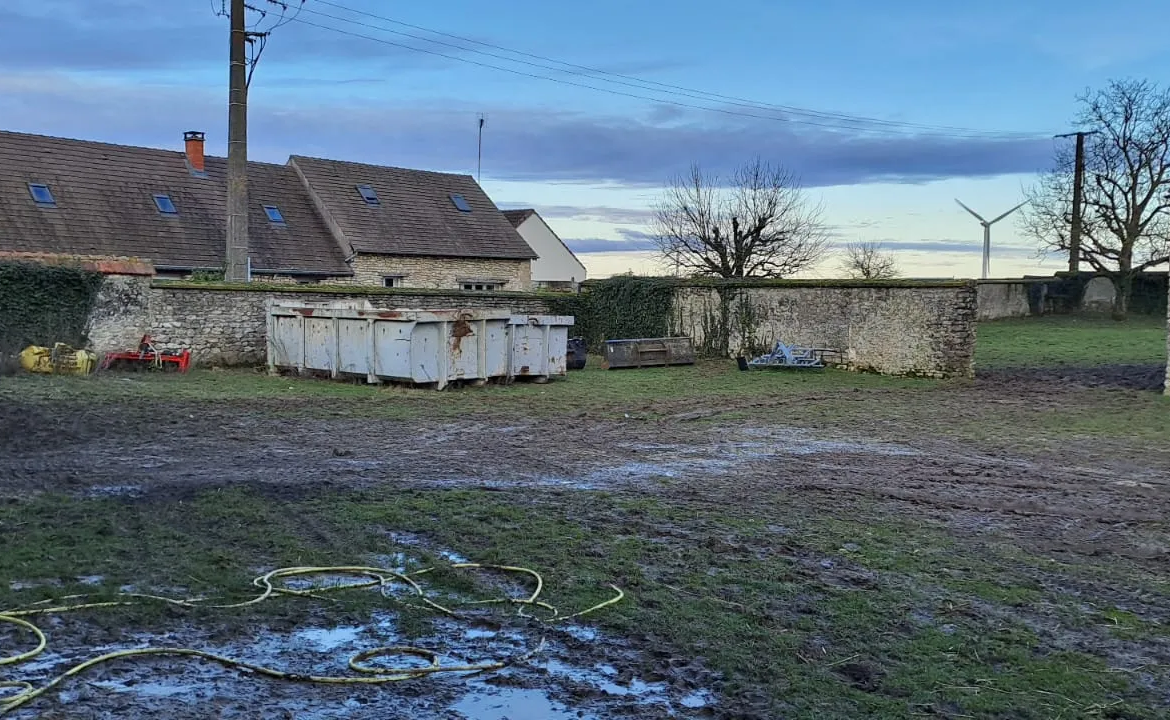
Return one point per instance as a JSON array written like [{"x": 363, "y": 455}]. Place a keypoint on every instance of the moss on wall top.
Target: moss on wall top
[
  {"x": 795, "y": 283},
  {"x": 339, "y": 289}
]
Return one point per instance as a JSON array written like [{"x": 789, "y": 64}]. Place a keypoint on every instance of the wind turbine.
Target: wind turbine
[{"x": 987, "y": 232}]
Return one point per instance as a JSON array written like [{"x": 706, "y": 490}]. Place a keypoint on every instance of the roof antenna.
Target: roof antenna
[{"x": 479, "y": 158}]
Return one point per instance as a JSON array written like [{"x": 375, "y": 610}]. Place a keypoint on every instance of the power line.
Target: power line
[
  {"x": 867, "y": 123},
  {"x": 610, "y": 91},
  {"x": 551, "y": 79}
]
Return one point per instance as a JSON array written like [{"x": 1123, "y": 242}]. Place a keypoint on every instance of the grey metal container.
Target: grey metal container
[
  {"x": 433, "y": 347},
  {"x": 539, "y": 346},
  {"x": 649, "y": 352}
]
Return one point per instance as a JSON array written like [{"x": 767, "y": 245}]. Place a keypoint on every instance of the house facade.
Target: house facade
[
  {"x": 556, "y": 268},
  {"x": 310, "y": 220}
]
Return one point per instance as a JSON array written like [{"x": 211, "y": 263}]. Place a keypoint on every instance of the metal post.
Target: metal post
[
  {"x": 235, "y": 269},
  {"x": 479, "y": 154}
]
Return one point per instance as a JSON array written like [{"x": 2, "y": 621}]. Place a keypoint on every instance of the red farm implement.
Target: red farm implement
[{"x": 148, "y": 357}]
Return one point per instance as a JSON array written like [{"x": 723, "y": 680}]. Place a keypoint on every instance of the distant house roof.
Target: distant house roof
[
  {"x": 556, "y": 262},
  {"x": 517, "y": 217},
  {"x": 411, "y": 212},
  {"x": 104, "y": 204}
]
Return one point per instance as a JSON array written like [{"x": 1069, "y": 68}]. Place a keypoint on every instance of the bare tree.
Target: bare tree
[
  {"x": 1126, "y": 200},
  {"x": 866, "y": 260},
  {"x": 757, "y": 225}
]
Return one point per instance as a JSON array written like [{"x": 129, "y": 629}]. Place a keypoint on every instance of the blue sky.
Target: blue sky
[{"x": 592, "y": 162}]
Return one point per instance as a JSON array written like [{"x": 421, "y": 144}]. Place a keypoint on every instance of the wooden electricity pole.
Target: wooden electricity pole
[
  {"x": 236, "y": 266},
  {"x": 1074, "y": 240}
]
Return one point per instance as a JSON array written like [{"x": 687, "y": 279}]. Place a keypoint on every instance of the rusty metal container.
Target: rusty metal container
[
  {"x": 649, "y": 352},
  {"x": 433, "y": 347},
  {"x": 539, "y": 346}
]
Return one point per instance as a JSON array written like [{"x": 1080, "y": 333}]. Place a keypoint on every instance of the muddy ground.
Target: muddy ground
[{"x": 1087, "y": 501}]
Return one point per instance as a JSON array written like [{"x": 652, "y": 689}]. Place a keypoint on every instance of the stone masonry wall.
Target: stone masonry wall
[
  {"x": 121, "y": 313},
  {"x": 897, "y": 329},
  {"x": 439, "y": 273},
  {"x": 226, "y": 326},
  {"x": 1003, "y": 299}
]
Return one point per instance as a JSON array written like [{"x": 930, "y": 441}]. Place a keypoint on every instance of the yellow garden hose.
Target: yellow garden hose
[{"x": 366, "y": 674}]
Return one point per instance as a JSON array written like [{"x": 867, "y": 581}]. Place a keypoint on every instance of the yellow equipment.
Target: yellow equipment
[{"x": 60, "y": 359}]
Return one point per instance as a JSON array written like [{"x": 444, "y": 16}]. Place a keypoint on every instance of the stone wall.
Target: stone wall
[
  {"x": 121, "y": 313},
  {"x": 1003, "y": 299},
  {"x": 225, "y": 325},
  {"x": 892, "y": 328},
  {"x": 439, "y": 273}
]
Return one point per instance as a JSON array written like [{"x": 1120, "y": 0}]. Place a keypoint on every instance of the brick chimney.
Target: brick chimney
[{"x": 193, "y": 142}]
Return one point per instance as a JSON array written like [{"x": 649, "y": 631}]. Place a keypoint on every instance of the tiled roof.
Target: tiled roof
[
  {"x": 415, "y": 214},
  {"x": 517, "y": 217},
  {"x": 105, "y": 264},
  {"x": 105, "y": 206}
]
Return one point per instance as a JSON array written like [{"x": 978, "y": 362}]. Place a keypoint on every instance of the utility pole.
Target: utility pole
[
  {"x": 1074, "y": 240},
  {"x": 236, "y": 266}
]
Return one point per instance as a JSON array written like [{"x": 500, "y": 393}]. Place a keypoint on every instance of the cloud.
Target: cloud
[
  {"x": 586, "y": 246},
  {"x": 92, "y": 36},
  {"x": 522, "y": 144},
  {"x": 594, "y": 213},
  {"x": 947, "y": 246}
]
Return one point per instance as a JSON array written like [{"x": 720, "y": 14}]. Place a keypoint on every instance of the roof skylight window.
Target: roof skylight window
[
  {"x": 461, "y": 203},
  {"x": 42, "y": 195},
  {"x": 369, "y": 195},
  {"x": 273, "y": 214},
  {"x": 165, "y": 205}
]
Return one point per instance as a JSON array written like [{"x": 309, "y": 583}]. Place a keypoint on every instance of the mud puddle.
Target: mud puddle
[
  {"x": 551, "y": 671},
  {"x": 563, "y": 680}
]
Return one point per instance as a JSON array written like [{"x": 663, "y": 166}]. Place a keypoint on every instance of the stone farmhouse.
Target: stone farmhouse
[{"x": 311, "y": 220}]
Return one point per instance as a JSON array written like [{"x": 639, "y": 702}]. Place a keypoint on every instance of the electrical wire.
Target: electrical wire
[
  {"x": 23, "y": 692},
  {"x": 857, "y": 122},
  {"x": 610, "y": 91}
]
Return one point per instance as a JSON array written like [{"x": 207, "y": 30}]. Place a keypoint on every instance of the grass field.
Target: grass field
[
  {"x": 1068, "y": 340},
  {"x": 999, "y": 572}
]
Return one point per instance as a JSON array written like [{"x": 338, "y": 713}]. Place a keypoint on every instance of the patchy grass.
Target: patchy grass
[
  {"x": 649, "y": 392},
  {"x": 1083, "y": 341},
  {"x": 715, "y": 391},
  {"x": 835, "y": 611},
  {"x": 812, "y": 617}
]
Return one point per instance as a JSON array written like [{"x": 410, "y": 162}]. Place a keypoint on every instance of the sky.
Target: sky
[{"x": 886, "y": 112}]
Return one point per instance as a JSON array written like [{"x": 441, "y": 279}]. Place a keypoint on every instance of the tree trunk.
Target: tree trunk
[{"x": 1122, "y": 287}]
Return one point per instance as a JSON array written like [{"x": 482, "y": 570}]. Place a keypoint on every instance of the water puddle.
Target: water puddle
[
  {"x": 478, "y": 634},
  {"x": 603, "y": 677},
  {"x": 453, "y": 557},
  {"x": 545, "y": 687},
  {"x": 582, "y": 632},
  {"x": 329, "y": 639},
  {"x": 697, "y": 699},
  {"x": 513, "y": 704},
  {"x": 558, "y": 682},
  {"x": 785, "y": 441}
]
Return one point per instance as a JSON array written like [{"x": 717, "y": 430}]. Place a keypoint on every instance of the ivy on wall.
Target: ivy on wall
[
  {"x": 43, "y": 304},
  {"x": 619, "y": 307}
]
